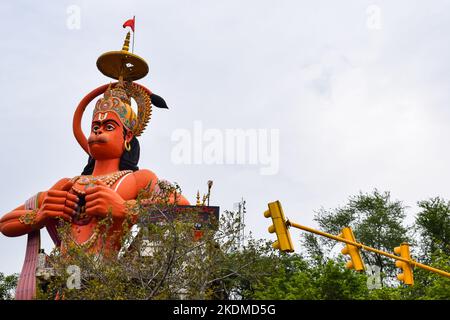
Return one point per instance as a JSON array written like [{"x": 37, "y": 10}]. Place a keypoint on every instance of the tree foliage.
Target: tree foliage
[
  {"x": 376, "y": 220},
  {"x": 164, "y": 260},
  {"x": 7, "y": 286},
  {"x": 433, "y": 223}
]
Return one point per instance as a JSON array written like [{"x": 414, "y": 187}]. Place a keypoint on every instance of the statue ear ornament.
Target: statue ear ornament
[
  {"x": 125, "y": 67},
  {"x": 127, "y": 146}
]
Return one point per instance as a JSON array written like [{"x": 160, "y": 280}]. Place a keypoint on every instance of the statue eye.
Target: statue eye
[
  {"x": 95, "y": 128},
  {"x": 110, "y": 127}
]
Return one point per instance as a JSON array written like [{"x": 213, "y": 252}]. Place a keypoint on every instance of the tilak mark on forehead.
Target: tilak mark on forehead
[{"x": 100, "y": 118}]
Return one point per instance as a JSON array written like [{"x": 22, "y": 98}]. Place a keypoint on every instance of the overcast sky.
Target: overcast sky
[{"x": 359, "y": 93}]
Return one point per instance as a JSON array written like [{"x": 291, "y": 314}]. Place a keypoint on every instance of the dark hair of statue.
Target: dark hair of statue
[{"x": 128, "y": 161}]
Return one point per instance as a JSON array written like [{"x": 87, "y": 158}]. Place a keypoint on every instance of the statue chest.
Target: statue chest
[{"x": 82, "y": 184}]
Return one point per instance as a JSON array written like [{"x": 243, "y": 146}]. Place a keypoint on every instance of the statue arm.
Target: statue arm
[
  {"x": 11, "y": 224},
  {"x": 180, "y": 199},
  {"x": 144, "y": 177}
]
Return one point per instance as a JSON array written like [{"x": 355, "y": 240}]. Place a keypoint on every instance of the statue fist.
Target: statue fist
[
  {"x": 101, "y": 201},
  {"x": 58, "y": 204}
]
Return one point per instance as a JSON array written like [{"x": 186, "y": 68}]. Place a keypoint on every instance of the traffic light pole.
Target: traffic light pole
[{"x": 362, "y": 246}]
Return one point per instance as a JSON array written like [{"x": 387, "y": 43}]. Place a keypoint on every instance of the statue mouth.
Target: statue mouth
[{"x": 100, "y": 140}]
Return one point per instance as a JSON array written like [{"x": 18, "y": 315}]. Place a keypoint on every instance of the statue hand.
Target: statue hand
[
  {"x": 101, "y": 200},
  {"x": 58, "y": 204}
]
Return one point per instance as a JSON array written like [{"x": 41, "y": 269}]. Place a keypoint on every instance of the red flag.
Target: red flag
[{"x": 129, "y": 23}]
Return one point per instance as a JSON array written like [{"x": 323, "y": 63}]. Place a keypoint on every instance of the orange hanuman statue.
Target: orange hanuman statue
[{"x": 110, "y": 181}]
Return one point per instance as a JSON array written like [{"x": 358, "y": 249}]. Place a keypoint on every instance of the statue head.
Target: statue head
[
  {"x": 113, "y": 113},
  {"x": 112, "y": 125},
  {"x": 113, "y": 130}
]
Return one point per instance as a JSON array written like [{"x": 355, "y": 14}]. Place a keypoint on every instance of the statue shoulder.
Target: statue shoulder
[
  {"x": 144, "y": 177},
  {"x": 61, "y": 183}
]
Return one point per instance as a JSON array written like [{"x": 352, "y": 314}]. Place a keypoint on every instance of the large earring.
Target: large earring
[{"x": 127, "y": 145}]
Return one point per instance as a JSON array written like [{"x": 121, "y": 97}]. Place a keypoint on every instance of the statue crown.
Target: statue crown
[
  {"x": 119, "y": 92},
  {"x": 118, "y": 101}
]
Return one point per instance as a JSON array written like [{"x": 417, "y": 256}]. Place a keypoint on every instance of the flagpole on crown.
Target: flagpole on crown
[
  {"x": 130, "y": 23},
  {"x": 123, "y": 64}
]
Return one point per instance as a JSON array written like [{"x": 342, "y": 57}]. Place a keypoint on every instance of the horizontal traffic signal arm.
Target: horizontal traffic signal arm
[{"x": 362, "y": 246}]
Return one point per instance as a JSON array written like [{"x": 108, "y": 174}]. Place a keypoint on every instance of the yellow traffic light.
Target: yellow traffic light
[
  {"x": 407, "y": 276},
  {"x": 356, "y": 261},
  {"x": 284, "y": 242}
]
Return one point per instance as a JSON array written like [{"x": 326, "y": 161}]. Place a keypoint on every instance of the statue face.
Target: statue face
[{"x": 106, "y": 140}]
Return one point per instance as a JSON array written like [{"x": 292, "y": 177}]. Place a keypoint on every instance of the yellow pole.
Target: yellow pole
[{"x": 362, "y": 246}]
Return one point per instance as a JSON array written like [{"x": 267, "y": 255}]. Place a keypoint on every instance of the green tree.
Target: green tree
[
  {"x": 7, "y": 286},
  {"x": 216, "y": 267},
  {"x": 164, "y": 260},
  {"x": 376, "y": 220},
  {"x": 290, "y": 280},
  {"x": 433, "y": 232},
  {"x": 433, "y": 223},
  {"x": 296, "y": 279}
]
